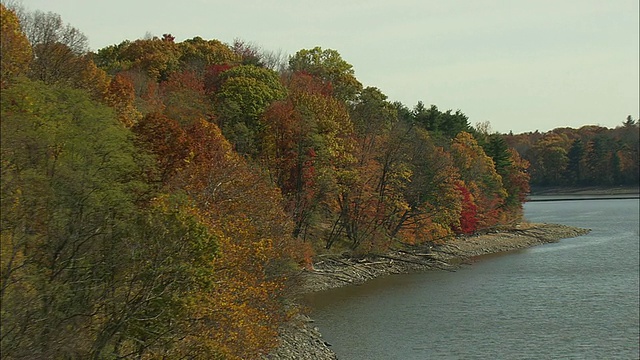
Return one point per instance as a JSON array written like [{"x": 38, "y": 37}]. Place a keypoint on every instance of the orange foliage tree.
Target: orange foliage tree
[
  {"x": 121, "y": 96},
  {"x": 255, "y": 248}
]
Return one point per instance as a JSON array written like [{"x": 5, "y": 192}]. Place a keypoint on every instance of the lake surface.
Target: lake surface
[{"x": 576, "y": 299}]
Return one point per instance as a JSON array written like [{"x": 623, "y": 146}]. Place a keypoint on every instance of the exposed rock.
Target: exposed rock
[{"x": 300, "y": 340}]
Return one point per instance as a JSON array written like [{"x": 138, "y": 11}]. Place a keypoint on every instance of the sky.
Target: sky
[{"x": 521, "y": 65}]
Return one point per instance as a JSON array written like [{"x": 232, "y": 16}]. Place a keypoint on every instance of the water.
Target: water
[{"x": 576, "y": 299}]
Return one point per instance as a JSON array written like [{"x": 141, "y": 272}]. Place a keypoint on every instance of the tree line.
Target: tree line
[
  {"x": 159, "y": 196},
  {"x": 589, "y": 156}
]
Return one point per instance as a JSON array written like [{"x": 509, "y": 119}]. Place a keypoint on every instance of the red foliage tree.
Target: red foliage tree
[
  {"x": 212, "y": 79},
  {"x": 468, "y": 219},
  {"x": 166, "y": 140},
  {"x": 184, "y": 98}
]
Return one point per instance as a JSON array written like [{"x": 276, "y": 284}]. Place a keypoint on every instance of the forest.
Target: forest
[
  {"x": 158, "y": 197},
  {"x": 589, "y": 156}
]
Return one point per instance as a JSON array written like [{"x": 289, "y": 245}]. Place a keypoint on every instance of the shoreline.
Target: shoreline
[
  {"x": 300, "y": 339},
  {"x": 332, "y": 271},
  {"x": 583, "y": 193},
  {"x": 585, "y": 190}
]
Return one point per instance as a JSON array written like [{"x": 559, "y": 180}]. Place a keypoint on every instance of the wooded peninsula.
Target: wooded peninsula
[{"x": 157, "y": 197}]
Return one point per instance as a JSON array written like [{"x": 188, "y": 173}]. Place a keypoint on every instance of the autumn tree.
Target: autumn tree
[
  {"x": 121, "y": 96},
  {"x": 468, "y": 222},
  {"x": 515, "y": 177},
  {"x": 155, "y": 57},
  {"x": 328, "y": 66},
  {"x": 307, "y": 146},
  {"x": 256, "y": 249},
  {"x": 197, "y": 54},
  {"x": 589, "y": 155},
  {"x": 166, "y": 139},
  {"x": 15, "y": 49},
  {"x": 58, "y": 53},
  {"x": 549, "y": 159},
  {"x": 247, "y": 52},
  {"x": 368, "y": 195},
  {"x": 245, "y": 93},
  {"x": 58, "y": 49},
  {"x": 433, "y": 202},
  {"x": 184, "y": 99},
  {"x": 289, "y": 154},
  {"x": 628, "y": 151},
  {"x": 94, "y": 263},
  {"x": 479, "y": 174}
]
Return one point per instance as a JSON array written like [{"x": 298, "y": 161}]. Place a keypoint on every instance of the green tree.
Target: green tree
[
  {"x": 328, "y": 66},
  {"x": 372, "y": 115},
  {"x": 245, "y": 93},
  {"x": 575, "y": 163},
  {"x": 497, "y": 148},
  {"x": 440, "y": 124},
  {"x": 94, "y": 264},
  {"x": 629, "y": 121},
  {"x": 598, "y": 160}
]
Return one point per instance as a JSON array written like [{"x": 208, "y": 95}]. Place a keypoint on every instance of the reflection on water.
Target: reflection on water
[{"x": 576, "y": 299}]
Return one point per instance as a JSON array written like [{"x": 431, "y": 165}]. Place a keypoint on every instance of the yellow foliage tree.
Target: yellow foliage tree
[
  {"x": 15, "y": 50},
  {"x": 246, "y": 306}
]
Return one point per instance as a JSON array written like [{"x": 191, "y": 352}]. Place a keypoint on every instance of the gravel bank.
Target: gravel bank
[{"x": 301, "y": 340}]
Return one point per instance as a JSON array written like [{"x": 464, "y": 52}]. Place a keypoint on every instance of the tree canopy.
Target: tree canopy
[{"x": 158, "y": 196}]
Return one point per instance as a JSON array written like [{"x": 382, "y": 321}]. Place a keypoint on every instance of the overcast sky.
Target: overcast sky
[{"x": 522, "y": 65}]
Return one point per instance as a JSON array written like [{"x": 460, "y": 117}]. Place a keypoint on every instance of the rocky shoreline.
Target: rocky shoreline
[{"x": 301, "y": 340}]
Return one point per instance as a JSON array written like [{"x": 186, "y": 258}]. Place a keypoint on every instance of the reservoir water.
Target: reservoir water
[{"x": 575, "y": 299}]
